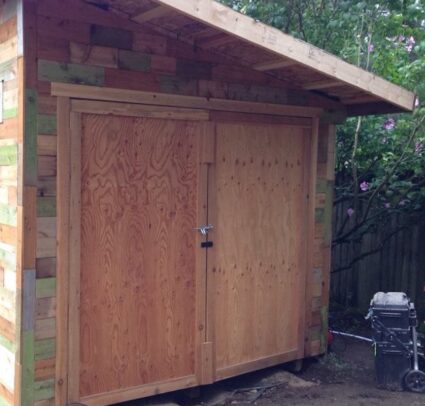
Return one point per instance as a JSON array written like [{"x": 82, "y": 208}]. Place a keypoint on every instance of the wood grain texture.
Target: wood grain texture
[
  {"x": 74, "y": 257},
  {"x": 46, "y": 267},
  {"x": 139, "y": 207},
  {"x": 256, "y": 261}
]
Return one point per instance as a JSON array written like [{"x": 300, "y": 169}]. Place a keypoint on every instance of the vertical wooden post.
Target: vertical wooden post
[
  {"x": 310, "y": 154},
  {"x": 63, "y": 194},
  {"x": 205, "y": 362},
  {"x": 74, "y": 259}
]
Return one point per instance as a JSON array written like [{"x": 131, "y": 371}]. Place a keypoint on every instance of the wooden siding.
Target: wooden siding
[
  {"x": 10, "y": 202},
  {"x": 82, "y": 44},
  {"x": 318, "y": 283}
]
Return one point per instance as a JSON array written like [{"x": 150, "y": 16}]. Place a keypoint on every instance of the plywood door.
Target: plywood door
[
  {"x": 257, "y": 266},
  {"x": 139, "y": 205}
]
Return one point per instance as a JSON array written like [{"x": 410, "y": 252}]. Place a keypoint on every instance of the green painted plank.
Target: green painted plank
[
  {"x": 45, "y": 349},
  {"x": 111, "y": 37},
  {"x": 44, "y": 389},
  {"x": 327, "y": 219},
  {"x": 321, "y": 186},
  {"x": 173, "y": 84},
  {"x": 45, "y": 287},
  {"x": 7, "y": 70},
  {"x": 8, "y": 154},
  {"x": 10, "y": 113},
  {"x": 28, "y": 367},
  {"x": 324, "y": 335},
  {"x": 70, "y": 73},
  {"x": 134, "y": 61},
  {"x": 319, "y": 215},
  {"x": 6, "y": 343},
  {"x": 46, "y": 206},
  {"x": 46, "y": 124},
  {"x": 30, "y": 138},
  {"x": 4, "y": 402},
  {"x": 8, "y": 215},
  {"x": 8, "y": 258}
]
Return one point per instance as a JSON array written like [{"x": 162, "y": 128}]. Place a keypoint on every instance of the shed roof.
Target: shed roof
[{"x": 212, "y": 26}]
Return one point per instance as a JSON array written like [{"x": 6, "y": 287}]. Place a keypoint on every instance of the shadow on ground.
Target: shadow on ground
[{"x": 344, "y": 377}]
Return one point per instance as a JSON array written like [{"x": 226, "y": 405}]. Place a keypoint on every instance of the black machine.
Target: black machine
[{"x": 394, "y": 322}]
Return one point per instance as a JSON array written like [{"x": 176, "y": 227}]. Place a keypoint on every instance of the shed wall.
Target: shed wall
[
  {"x": 10, "y": 200},
  {"x": 72, "y": 42}
]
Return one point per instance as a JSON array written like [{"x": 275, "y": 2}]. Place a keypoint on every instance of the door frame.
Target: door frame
[{"x": 72, "y": 101}]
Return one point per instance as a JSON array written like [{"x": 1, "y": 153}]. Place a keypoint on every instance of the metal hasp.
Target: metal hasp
[{"x": 204, "y": 229}]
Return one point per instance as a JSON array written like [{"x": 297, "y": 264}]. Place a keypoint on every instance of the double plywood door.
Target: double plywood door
[{"x": 150, "y": 309}]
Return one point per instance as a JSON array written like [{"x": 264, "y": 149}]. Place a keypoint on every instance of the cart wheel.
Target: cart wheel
[{"x": 415, "y": 381}]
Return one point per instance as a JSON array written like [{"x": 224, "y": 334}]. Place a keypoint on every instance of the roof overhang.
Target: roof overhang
[{"x": 280, "y": 54}]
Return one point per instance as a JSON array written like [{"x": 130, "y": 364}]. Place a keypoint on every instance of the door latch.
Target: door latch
[{"x": 204, "y": 229}]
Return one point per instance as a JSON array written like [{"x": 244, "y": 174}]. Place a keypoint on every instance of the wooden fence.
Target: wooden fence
[{"x": 399, "y": 266}]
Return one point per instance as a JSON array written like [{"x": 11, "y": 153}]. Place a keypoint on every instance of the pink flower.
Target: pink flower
[
  {"x": 389, "y": 124},
  {"x": 410, "y": 43},
  {"x": 387, "y": 205},
  {"x": 350, "y": 212},
  {"x": 417, "y": 102},
  {"x": 371, "y": 48},
  {"x": 364, "y": 186},
  {"x": 418, "y": 148}
]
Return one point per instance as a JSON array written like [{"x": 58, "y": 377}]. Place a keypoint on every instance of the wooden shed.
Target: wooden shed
[{"x": 166, "y": 174}]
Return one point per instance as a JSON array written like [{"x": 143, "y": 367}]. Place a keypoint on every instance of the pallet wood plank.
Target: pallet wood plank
[
  {"x": 136, "y": 61},
  {"x": 30, "y": 137},
  {"x": 45, "y": 349},
  {"x": 94, "y": 55},
  {"x": 111, "y": 37},
  {"x": 45, "y": 369},
  {"x": 47, "y": 145},
  {"x": 46, "y": 287},
  {"x": 45, "y": 328},
  {"x": 70, "y": 73}
]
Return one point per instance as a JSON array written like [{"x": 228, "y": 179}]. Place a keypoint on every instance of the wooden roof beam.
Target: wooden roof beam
[
  {"x": 323, "y": 85},
  {"x": 283, "y": 45},
  {"x": 273, "y": 65},
  {"x": 151, "y": 14},
  {"x": 359, "y": 99},
  {"x": 216, "y": 41}
]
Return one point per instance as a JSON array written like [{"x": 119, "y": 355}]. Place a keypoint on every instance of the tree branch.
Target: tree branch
[{"x": 371, "y": 252}]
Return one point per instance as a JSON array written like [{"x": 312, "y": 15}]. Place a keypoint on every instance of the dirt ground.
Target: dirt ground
[{"x": 344, "y": 377}]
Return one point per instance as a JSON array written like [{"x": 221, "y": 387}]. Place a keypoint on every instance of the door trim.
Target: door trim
[{"x": 191, "y": 102}]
